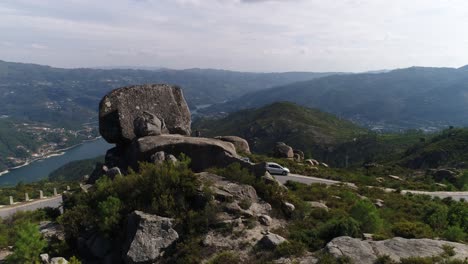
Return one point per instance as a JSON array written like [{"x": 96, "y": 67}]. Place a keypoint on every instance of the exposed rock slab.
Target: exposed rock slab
[
  {"x": 148, "y": 235},
  {"x": 119, "y": 109},
  {"x": 366, "y": 252},
  {"x": 241, "y": 145}
]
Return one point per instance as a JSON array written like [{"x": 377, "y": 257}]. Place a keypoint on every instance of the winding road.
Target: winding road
[
  {"x": 53, "y": 202},
  {"x": 311, "y": 180}
]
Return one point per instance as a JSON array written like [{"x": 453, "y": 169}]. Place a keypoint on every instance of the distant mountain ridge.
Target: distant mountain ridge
[
  {"x": 55, "y": 95},
  {"x": 416, "y": 97}
]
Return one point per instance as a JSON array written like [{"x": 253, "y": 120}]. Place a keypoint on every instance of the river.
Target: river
[{"x": 40, "y": 169}]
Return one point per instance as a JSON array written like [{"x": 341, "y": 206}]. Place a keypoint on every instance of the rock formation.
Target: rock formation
[
  {"x": 283, "y": 151},
  {"x": 241, "y": 145},
  {"x": 147, "y": 237},
  {"x": 151, "y": 123},
  {"x": 146, "y": 106},
  {"x": 366, "y": 252}
]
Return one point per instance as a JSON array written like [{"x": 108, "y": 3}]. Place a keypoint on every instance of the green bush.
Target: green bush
[
  {"x": 28, "y": 246},
  {"x": 411, "y": 230},
  {"x": 455, "y": 234},
  {"x": 290, "y": 248},
  {"x": 344, "y": 226},
  {"x": 384, "y": 260},
  {"x": 109, "y": 215},
  {"x": 225, "y": 258},
  {"x": 367, "y": 216}
]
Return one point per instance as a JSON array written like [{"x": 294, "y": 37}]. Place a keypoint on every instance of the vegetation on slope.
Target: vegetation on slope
[
  {"x": 310, "y": 130},
  {"x": 75, "y": 170},
  {"x": 449, "y": 148}
]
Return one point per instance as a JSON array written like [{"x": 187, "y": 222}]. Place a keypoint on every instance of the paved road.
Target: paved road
[
  {"x": 310, "y": 180},
  {"x": 54, "y": 202}
]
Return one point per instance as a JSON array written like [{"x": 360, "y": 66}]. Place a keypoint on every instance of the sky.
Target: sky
[{"x": 244, "y": 35}]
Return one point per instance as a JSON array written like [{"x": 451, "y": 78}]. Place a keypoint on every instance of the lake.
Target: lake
[{"x": 40, "y": 169}]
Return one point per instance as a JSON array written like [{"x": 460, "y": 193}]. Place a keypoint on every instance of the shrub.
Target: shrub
[
  {"x": 454, "y": 233},
  {"x": 436, "y": 216},
  {"x": 367, "y": 215},
  {"x": 225, "y": 257},
  {"x": 411, "y": 230},
  {"x": 384, "y": 260},
  {"x": 290, "y": 248},
  {"x": 109, "y": 215},
  {"x": 344, "y": 226},
  {"x": 28, "y": 246}
]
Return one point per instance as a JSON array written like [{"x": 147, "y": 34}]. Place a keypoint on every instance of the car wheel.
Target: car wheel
[{"x": 285, "y": 173}]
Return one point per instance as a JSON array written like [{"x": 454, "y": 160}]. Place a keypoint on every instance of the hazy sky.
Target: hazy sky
[{"x": 249, "y": 35}]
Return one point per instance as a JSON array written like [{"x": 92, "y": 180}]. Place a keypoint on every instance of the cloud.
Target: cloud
[{"x": 257, "y": 35}]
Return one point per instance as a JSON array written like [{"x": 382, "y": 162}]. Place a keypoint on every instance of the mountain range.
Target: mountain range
[{"x": 416, "y": 97}]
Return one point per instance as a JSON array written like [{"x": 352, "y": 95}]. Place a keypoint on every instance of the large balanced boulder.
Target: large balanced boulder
[
  {"x": 147, "y": 237},
  {"x": 282, "y": 150},
  {"x": 242, "y": 146},
  {"x": 146, "y": 109},
  {"x": 366, "y": 252}
]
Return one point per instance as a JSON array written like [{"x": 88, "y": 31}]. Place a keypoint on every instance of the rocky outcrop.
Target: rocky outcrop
[
  {"x": 148, "y": 110},
  {"x": 148, "y": 236},
  {"x": 445, "y": 174},
  {"x": 241, "y": 145},
  {"x": 204, "y": 152},
  {"x": 298, "y": 155},
  {"x": 282, "y": 150},
  {"x": 271, "y": 241},
  {"x": 366, "y": 252}
]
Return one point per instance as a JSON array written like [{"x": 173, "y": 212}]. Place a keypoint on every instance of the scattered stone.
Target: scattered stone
[
  {"x": 283, "y": 151},
  {"x": 50, "y": 230},
  {"x": 289, "y": 207},
  {"x": 318, "y": 205},
  {"x": 366, "y": 252},
  {"x": 158, "y": 157},
  {"x": 58, "y": 260},
  {"x": 368, "y": 236},
  {"x": 265, "y": 220},
  {"x": 316, "y": 163},
  {"x": 323, "y": 164},
  {"x": 395, "y": 177},
  {"x": 380, "y": 179},
  {"x": 44, "y": 258},
  {"x": 119, "y": 109},
  {"x": 379, "y": 203},
  {"x": 271, "y": 241},
  {"x": 147, "y": 237},
  {"x": 300, "y": 155},
  {"x": 171, "y": 158},
  {"x": 241, "y": 145}
]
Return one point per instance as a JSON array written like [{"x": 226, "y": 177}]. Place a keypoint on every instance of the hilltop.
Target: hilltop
[{"x": 310, "y": 130}]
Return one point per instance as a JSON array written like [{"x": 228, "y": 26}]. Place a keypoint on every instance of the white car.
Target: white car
[{"x": 275, "y": 168}]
